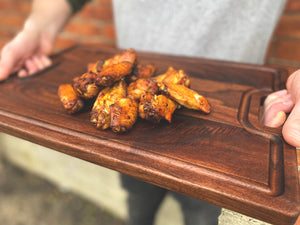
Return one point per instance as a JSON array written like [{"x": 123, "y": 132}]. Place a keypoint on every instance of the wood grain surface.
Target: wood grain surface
[{"x": 227, "y": 158}]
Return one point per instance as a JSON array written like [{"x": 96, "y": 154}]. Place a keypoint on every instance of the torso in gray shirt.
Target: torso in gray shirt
[{"x": 232, "y": 30}]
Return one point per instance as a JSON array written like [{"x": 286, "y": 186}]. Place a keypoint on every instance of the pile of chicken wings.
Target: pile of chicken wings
[{"x": 123, "y": 90}]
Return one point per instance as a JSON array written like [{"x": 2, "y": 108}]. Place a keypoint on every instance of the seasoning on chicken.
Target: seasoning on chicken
[
  {"x": 156, "y": 107},
  {"x": 100, "y": 114},
  {"x": 117, "y": 105},
  {"x": 141, "y": 71},
  {"x": 117, "y": 68},
  {"x": 71, "y": 102},
  {"x": 101, "y": 64},
  {"x": 174, "y": 77},
  {"x": 123, "y": 115},
  {"x": 185, "y": 96},
  {"x": 95, "y": 67},
  {"x": 140, "y": 87},
  {"x": 85, "y": 86}
]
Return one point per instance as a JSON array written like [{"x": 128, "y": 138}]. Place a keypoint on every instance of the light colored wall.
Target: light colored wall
[{"x": 228, "y": 217}]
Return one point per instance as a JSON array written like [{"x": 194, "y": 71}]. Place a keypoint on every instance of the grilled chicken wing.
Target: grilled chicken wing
[
  {"x": 140, "y": 87},
  {"x": 85, "y": 86},
  {"x": 71, "y": 102},
  {"x": 156, "y": 107},
  {"x": 141, "y": 71},
  {"x": 100, "y": 114},
  {"x": 123, "y": 114},
  {"x": 102, "y": 64},
  {"x": 116, "y": 68},
  {"x": 174, "y": 77},
  {"x": 185, "y": 96},
  {"x": 118, "y": 106},
  {"x": 118, "y": 58},
  {"x": 96, "y": 67}
]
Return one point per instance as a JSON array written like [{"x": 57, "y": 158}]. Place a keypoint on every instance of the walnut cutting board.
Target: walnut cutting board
[{"x": 227, "y": 157}]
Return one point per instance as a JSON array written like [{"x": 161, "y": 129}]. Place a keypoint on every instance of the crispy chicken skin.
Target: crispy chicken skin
[
  {"x": 123, "y": 115},
  {"x": 141, "y": 71},
  {"x": 185, "y": 96},
  {"x": 85, "y": 86},
  {"x": 174, "y": 77},
  {"x": 100, "y": 114},
  {"x": 116, "y": 68},
  {"x": 101, "y": 64},
  {"x": 140, "y": 87},
  {"x": 156, "y": 107},
  {"x": 123, "y": 89},
  {"x": 125, "y": 55},
  {"x": 96, "y": 67},
  {"x": 111, "y": 74},
  {"x": 71, "y": 102}
]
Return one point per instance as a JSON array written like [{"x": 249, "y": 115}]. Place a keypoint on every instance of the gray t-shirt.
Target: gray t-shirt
[{"x": 232, "y": 30}]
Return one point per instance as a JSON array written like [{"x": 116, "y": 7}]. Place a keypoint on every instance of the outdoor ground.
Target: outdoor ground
[{"x": 26, "y": 199}]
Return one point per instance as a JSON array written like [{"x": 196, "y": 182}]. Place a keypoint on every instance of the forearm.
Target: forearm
[{"x": 48, "y": 17}]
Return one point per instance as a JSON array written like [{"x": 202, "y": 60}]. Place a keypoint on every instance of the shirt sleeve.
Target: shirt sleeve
[{"x": 76, "y": 5}]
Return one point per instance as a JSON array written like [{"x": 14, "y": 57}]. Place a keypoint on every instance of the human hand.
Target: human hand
[
  {"x": 26, "y": 54},
  {"x": 279, "y": 103}
]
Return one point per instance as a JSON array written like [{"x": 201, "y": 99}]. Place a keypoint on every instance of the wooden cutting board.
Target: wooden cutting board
[{"x": 227, "y": 158}]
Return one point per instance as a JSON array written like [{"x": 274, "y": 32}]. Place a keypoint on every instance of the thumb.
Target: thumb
[
  {"x": 291, "y": 128},
  {"x": 6, "y": 67},
  {"x": 275, "y": 108},
  {"x": 10, "y": 61}
]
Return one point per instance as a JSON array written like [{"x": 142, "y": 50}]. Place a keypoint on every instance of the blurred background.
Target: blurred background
[
  {"x": 26, "y": 202},
  {"x": 28, "y": 199},
  {"x": 94, "y": 25}
]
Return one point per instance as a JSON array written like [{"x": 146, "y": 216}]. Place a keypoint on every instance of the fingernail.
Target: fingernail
[
  {"x": 46, "y": 60},
  {"x": 22, "y": 73},
  {"x": 278, "y": 120}
]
